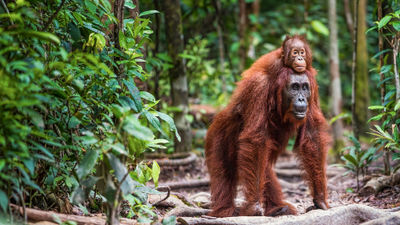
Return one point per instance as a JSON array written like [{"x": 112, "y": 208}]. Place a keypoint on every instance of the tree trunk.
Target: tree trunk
[
  {"x": 386, "y": 156},
  {"x": 251, "y": 52},
  {"x": 396, "y": 43},
  {"x": 336, "y": 90},
  {"x": 381, "y": 62},
  {"x": 219, "y": 25},
  {"x": 179, "y": 86},
  {"x": 118, "y": 9},
  {"x": 361, "y": 93},
  {"x": 242, "y": 35},
  {"x": 157, "y": 71},
  {"x": 348, "y": 16},
  {"x": 134, "y": 13}
]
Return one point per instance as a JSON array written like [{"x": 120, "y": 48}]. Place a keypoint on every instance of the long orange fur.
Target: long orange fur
[{"x": 245, "y": 139}]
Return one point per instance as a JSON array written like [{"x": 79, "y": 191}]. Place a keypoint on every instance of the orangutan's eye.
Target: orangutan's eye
[{"x": 295, "y": 86}]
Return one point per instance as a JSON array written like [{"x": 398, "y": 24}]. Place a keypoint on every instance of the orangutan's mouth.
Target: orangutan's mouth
[{"x": 299, "y": 115}]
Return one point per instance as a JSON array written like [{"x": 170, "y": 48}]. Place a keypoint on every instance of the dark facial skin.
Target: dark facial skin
[
  {"x": 297, "y": 95},
  {"x": 297, "y": 57}
]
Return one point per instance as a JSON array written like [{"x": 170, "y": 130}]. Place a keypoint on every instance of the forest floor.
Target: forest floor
[
  {"x": 190, "y": 181},
  {"x": 189, "y": 198},
  {"x": 342, "y": 188}
]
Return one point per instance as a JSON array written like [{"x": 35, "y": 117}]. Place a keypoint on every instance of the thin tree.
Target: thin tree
[
  {"x": 386, "y": 155},
  {"x": 336, "y": 90},
  {"x": 219, "y": 25},
  {"x": 255, "y": 8},
  {"x": 118, "y": 10},
  {"x": 348, "y": 17},
  {"x": 360, "y": 95},
  {"x": 178, "y": 79},
  {"x": 242, "y": 35}
]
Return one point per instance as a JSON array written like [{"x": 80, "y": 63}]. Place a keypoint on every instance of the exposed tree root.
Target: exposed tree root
[
  {"x": 287, "y": 165},
  {"x": 376, "y": 184},
  {"x": 160, "y": 155},
  {"x": 206, "y": 182},
  {"x": 166, "y": 160},
  {"x": 288, "y": 173},
  {"x": 187, "y": 184},
  {"x": 35, "y": 215},
  {"x": 342, "y": 215},
  {"x": 181, "y": 205},
  {"x": 187, "y": 212},
  {"x": 386, "y": 220}
]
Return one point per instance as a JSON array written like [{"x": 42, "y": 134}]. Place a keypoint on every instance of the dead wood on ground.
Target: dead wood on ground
[
  {"x": 186, "y": 184},
  {"x": 342, "y": 215},
  {"x": 191, "y": 158},
  {"x": 35, "y": 215},
  {"x": 376, "y": 184}
]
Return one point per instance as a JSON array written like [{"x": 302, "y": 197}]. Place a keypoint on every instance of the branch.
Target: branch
[
  {"x": 53, "y": 16},
  {"x": 168, "y": 194},
  {"x": 347, "y": 15}
]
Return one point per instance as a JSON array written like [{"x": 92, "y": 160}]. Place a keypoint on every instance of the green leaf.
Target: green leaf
[
  {"x": 127, "y": 102},
  {"x": 42, "y": 149},
  {"x": 149, "y": 12},
  {"x": 384, "y": 21},
  {"x": 81, "y": 193},
  {"x": 396, "y": 25},
  {"x": 377, "y": 117},
  {"x": 87, "y": 164},
  {"x": 90, "y": 6},
  {"x": 155, "y": 172},
  {"x": 3, "y": 201},
  {"x": 319, "y": 27},
  {"x": 36, "y": 117},
  {"x": 120, "y": 171},
  {"x": 122, "y": 40},
  {"x": 146, "y": 95},
  {"x": 380, "y": 53},
  {"x": 120, "y": 148},
  {"x": 397, "y": 106},
  {"x": 43, "y": 36},
  {"x": 134, "y": 91},
  {"x": 351, "y": 159},
  {"x": 129, "y": 4},
  {"x": 153, "y": 120},
  {"x": 2, "y": 163},
  {"x": 342, "y": 115},
  {"x": 386, "y": 68},
  {"x": 371, "y": 29},
  {"x": 11, "y": 16},
  {"x": 84, "y": 209},
  {"x": 73, "y": 122},
  {"x": 90, "y": 27},
  {"x": 156, "y": 143},
  {"x": 133, "y": 127},
  {"x": 88, "y": 140},
  {"x": 375, "y": 107},
  {"x": 30, "y": 165},
  {"x": 170, "y": 122},
  {"x": 355, "y": 142}
]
